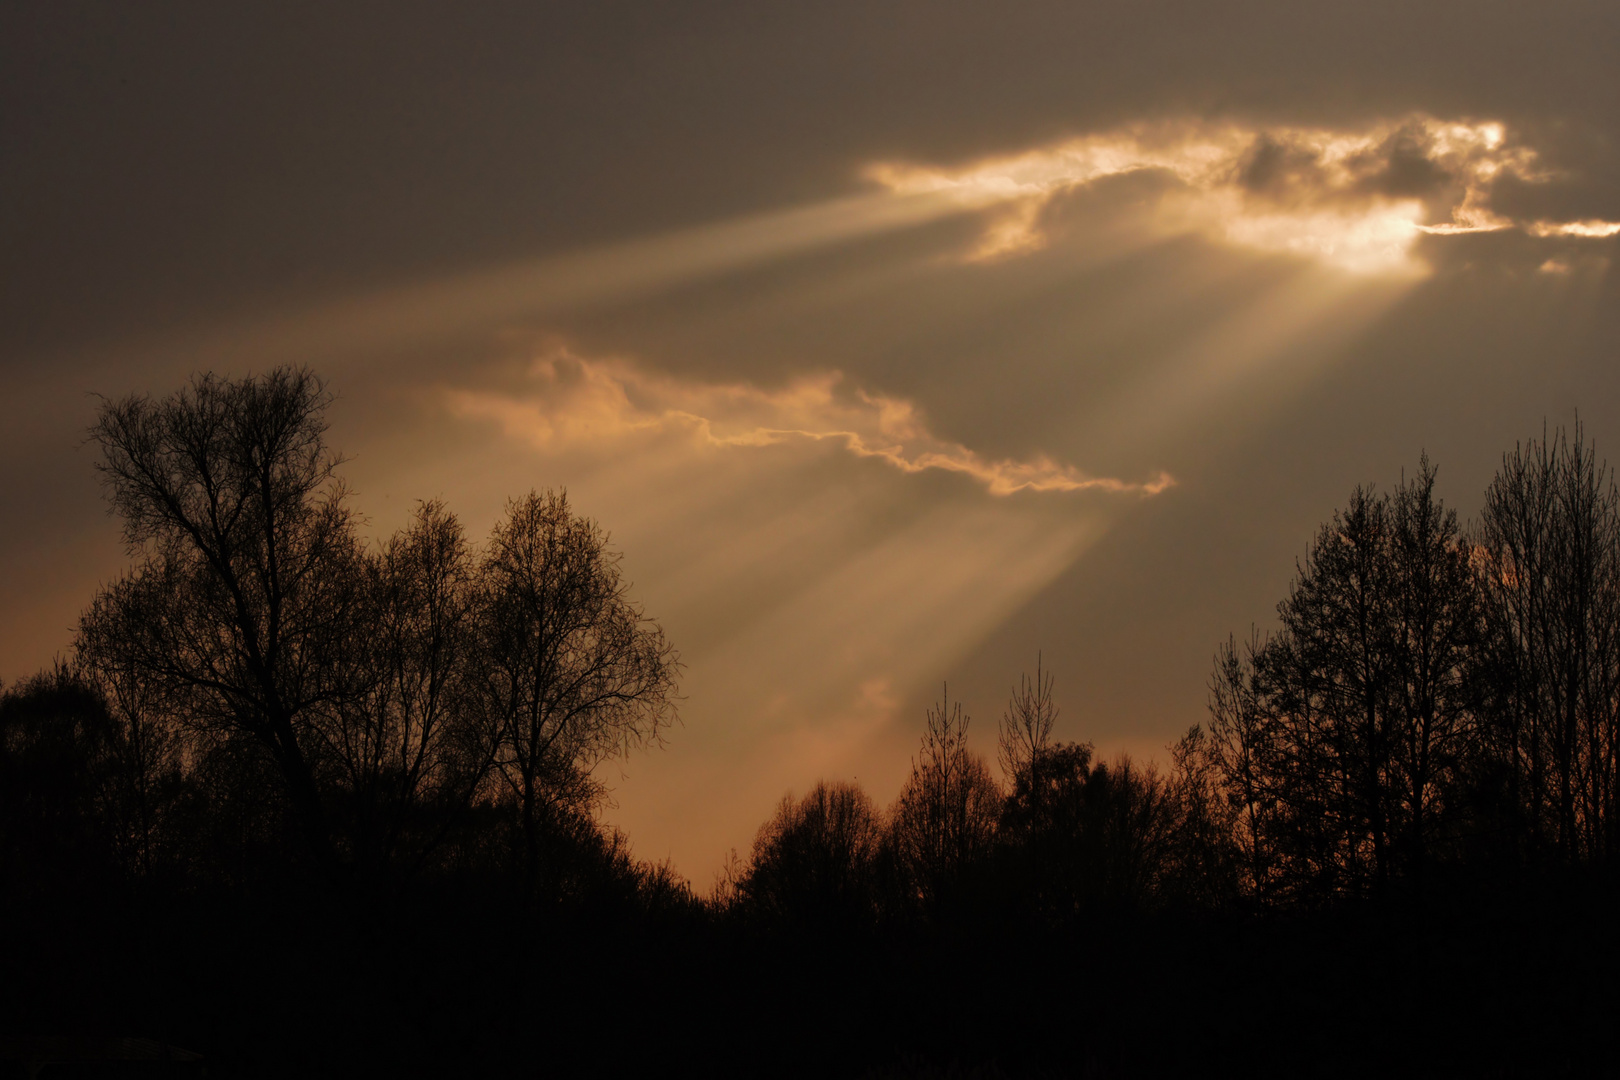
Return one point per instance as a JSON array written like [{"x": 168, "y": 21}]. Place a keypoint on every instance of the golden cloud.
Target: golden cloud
[
  {"x": 1357, "y": 199},
  {"x": 1585, "y": 229},
  {"x": 577, "y": 401}
]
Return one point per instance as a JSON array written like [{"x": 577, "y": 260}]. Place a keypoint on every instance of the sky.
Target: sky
[{"x": 894, "y": 344}]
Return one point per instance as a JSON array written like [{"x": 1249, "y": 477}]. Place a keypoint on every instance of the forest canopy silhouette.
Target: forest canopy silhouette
[{"x": 311, "y": 802}]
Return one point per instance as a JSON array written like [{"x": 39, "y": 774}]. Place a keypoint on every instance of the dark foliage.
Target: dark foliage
[
  {"x": 59, "y": 788},
  {"x": 818, "y": 862}
]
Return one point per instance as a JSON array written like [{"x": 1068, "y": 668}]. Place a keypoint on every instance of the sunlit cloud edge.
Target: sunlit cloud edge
[
  {"x": 574, "y": 402},
  {"x": 1324, "y": 200}
]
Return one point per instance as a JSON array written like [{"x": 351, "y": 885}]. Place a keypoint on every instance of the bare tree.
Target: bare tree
[
  {"x": 147, "y": 742},
  {"x": 1332, "y": 671},
  {"x": 1548, "y": 555},
  {"x": 409, "y": 749},
  {"x": 241, "y": 608},
  {"x": 726, "y": 892},
  {"x": 1205, "y": 864},
  {"x": 1341, "y": 740},
  {"x": 945, "y": 818},
  {"x": 1026, "y": 726},
  {"x": 572, "y": 671},
  {"x": 1244, "y": 748},
  {"x": 1437, "y": 619}
]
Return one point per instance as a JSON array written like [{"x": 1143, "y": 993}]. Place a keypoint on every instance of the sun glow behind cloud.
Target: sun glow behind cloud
[{"x": 1357, "y": 199}]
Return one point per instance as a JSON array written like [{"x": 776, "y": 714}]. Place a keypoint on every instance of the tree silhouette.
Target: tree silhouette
[
  {"x": 408, "y": 741},
  {"x": 1333, "y": 673},
  {"x": 1087, "y": 836},
  {"x": 242, "y": 609},
  {"x": 571, "y": 671},
  {"x": 390, "y": 687},
  {"x": 1548, "y": 554},
  {"x": 1343, "y": 739},
  {"x": 1437, "y": 618},
  {"x": 1026, "y": 726},
  {"x": 1205, "y": 861},
  {"x": 1246, "y": 751},
  {"x": 815, "y": 861},
  {"x": 945, "y": 817}
]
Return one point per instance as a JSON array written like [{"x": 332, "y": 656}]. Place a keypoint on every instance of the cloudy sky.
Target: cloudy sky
[{"x": 892, "y": 342}]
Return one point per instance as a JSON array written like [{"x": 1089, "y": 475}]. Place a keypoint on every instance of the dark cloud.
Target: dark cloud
[
  {"x": 1560, "y": 196},
  {"x": 1279, "y": 170},
  {"x": 1402, "y": 167},
  {"x": 1515, "y": 252}
]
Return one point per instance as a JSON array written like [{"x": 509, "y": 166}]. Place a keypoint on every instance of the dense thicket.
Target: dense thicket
[{"x": 318, "y": 805}]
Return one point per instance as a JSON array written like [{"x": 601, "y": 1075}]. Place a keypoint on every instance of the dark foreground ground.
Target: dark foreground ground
[{"x": 1481, "y": 979}]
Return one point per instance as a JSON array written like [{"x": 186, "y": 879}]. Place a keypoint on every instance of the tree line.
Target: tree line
[
  {"x": 1068, "y": 837},
  {"x": 1435, "y": 697},
  {"x": 316, "y": 787},
  {"x": 262, "y": 689}
]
